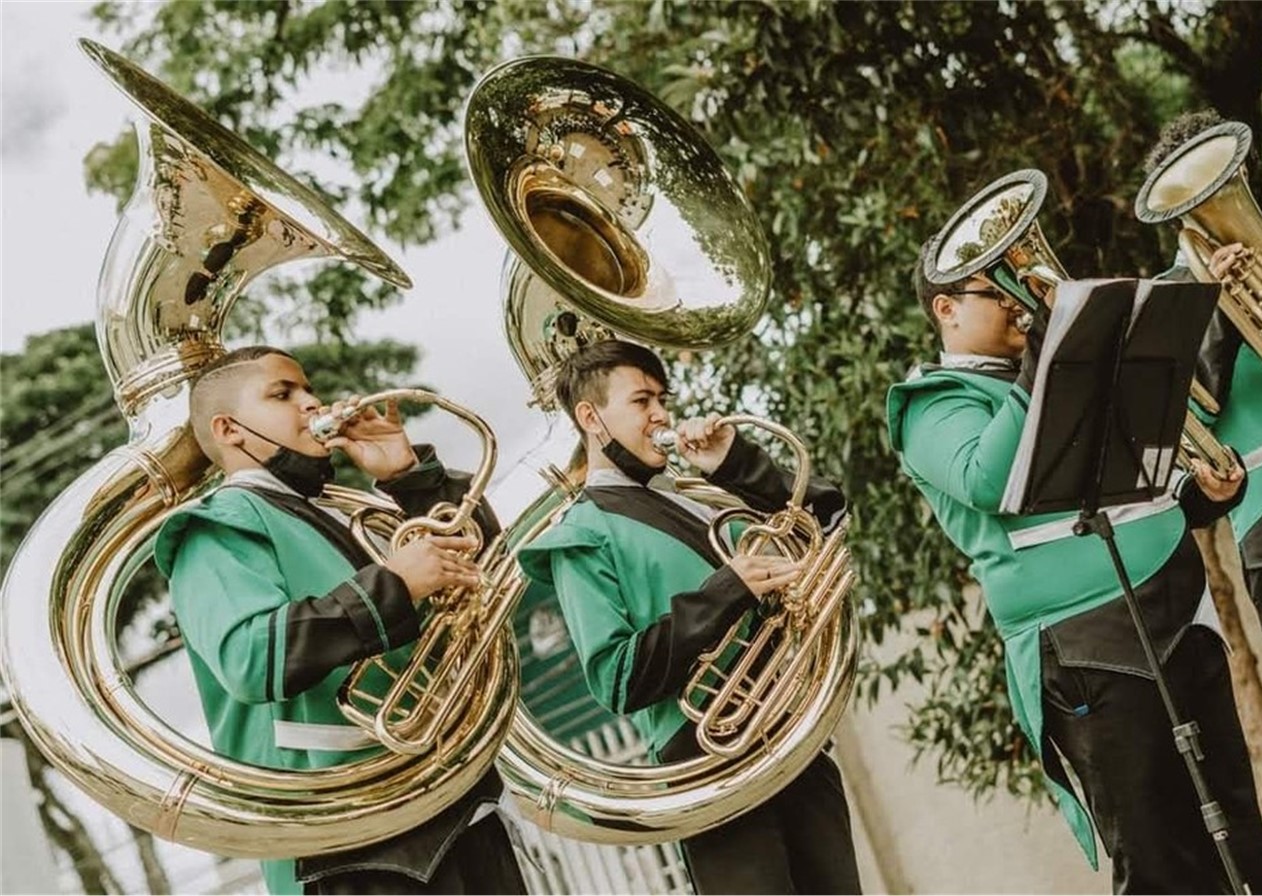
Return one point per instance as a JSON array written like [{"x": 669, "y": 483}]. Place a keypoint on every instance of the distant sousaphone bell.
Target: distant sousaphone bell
[{"x": 1203, "y": 183}]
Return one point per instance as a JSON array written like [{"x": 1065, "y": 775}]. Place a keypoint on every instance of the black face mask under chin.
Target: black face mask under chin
[
  {"x": 305, "y": 474},
  {"x": 624, "y": 460}
]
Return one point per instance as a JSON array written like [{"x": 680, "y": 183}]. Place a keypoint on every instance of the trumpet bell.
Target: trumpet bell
[
  {"x": 615, "y": 202},
  {"x": 995, "y": 236}
]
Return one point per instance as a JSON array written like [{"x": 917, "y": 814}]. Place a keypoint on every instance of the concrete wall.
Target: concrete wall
[{"x": 915, "y": 835}]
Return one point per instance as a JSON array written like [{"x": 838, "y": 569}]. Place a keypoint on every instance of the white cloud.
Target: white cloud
[{"x": 54, "y": 234}]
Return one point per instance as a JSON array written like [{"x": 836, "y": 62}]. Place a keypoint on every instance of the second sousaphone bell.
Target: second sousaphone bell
[{"x": 619, "y": 217}]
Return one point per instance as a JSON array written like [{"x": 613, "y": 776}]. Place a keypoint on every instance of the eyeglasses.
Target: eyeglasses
[{"x": 1005, "y": 301}]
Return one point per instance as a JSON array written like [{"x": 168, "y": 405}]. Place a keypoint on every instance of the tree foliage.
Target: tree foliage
[{"x": 856, "y": 129}]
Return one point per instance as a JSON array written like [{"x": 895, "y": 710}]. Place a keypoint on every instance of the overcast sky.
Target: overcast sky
[{"x": 56, "y": 106}]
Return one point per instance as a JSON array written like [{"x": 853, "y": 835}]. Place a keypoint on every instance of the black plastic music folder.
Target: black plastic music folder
[{"x": 1110, "y": 395}]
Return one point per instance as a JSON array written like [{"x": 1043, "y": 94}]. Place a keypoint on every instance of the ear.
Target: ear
[
  {"x": 226, "y": 431},
  {"x": 587, "y": 418},
  {"x": 944, "y": 309}
]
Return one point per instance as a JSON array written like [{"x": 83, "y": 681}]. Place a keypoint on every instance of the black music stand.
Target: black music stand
[{"x": 1103, "y": 429}]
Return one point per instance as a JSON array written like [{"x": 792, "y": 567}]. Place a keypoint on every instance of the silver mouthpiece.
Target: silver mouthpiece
[
  {"x": 325, "y": 426},
  {"x": 664, "y": 438}
]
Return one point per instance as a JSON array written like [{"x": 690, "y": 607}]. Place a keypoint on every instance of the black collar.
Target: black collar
[
  {"x": 644, "y": 505},
  {"x": 334, "y": 532}
]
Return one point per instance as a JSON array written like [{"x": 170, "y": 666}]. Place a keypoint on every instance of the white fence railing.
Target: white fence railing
[{"x": 557, "y": 865}]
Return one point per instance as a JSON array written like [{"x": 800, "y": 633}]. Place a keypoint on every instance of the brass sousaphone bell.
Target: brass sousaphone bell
[
  {"x": 623, "y": 221},
  {"x": 1203, "y": 184},
  {"x": 620, "y": 219},
  {"x": 208, "y": 214},
  {"x": 995, "y": 236}
]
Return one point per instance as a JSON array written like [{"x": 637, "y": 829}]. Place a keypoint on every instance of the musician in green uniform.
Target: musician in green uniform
[
  {"x": 1078, "y": 679},
  {"x": 1228, "y": 366},
  {"x": 275, "y": 599},
  {"x": 644, "y": 593}
]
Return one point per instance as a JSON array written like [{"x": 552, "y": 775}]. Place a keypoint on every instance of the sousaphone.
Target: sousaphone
[
  {"x": 208, "y": 214},
  {"x": 623, "y": 221}
]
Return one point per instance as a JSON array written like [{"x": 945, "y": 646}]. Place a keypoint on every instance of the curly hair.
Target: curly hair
[{"x": 1176, "y": 132}]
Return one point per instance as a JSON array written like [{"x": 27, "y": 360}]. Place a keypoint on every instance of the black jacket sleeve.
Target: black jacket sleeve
[
  {"x": 749, "y": 473},
  {"x": 1033, "y": 348},
  {"x": 368, "y": 614},
  {"x": 1199, "y": 510},
  {"x": 667, "y": 650},
  {"x": 1216, "y": 361},
  {"x": 371, "y": 612},
  {"x": 419, "y": 490}
]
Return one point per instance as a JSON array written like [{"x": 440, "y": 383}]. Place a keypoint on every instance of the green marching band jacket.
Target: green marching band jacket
[
  {"x": 956, "y": 431},
  {"x": 275, "y": 600},
  {"x": 642, "y": 591}
]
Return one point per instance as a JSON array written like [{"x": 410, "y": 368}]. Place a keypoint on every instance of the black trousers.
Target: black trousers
[
  {"x": 480, "y": 861},
  {"x": 799, "y": 841},
  {"x": 1113, "y": 730}
]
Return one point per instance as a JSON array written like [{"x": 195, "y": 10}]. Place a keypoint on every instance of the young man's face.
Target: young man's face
[
  {"x": 275, "y": 399},
  {"x": 978, "y": 319},
  {"x": 634, "y": 409}
]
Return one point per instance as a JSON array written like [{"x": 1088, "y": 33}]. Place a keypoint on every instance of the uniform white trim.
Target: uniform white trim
[
  {"x": 1058, "y": 529},
  {"x": 315, "y": 736}
]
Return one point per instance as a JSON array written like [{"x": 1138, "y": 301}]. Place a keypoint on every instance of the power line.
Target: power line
[
  {"x": 28, "y": 463},
  {"x": 69, "y": 421}
]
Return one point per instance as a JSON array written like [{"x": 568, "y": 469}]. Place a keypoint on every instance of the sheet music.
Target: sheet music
[
  {"x": 1071, "y": 298},
  {"x": 1065, "y": 443},
  {"x": 1143, "y": 289}
]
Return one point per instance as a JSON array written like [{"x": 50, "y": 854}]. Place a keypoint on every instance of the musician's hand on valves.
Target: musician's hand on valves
[
  {"x": 762, "y": 573},
  {"x": 1215, "y": 487},
  {"x": 434, "y": 562},
  {"x": 704, "y": 443},
  {"x": 375, "y": 442},
  {"x": 1223, "y": 258}
]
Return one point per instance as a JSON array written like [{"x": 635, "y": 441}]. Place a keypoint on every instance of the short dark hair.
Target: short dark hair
[
  {"x": 213, "y": 391},
  {"x": 584, "y": 375},
  {"x": 925, "y": 291},
  {"x": 1176, "y": 132}
]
